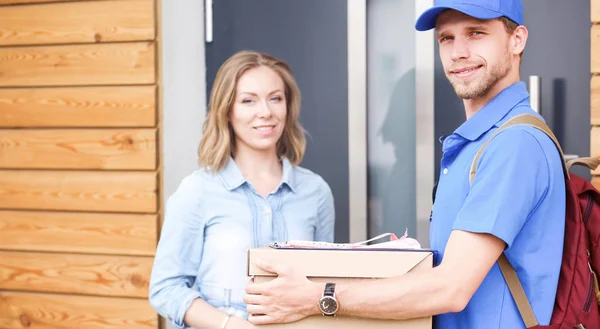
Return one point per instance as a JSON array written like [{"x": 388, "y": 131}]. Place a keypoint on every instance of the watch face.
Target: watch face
[{"x": 328, "y": 305}]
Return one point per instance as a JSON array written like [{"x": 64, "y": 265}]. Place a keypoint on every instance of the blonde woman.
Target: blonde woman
[{"x": 249, "y": 192}]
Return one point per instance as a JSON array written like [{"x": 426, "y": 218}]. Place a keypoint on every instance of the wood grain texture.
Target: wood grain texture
[
  {"x": 77, "y": 22},
  {"x": 595, "y": 100},
  {"x": 78, "y": 148},
  {"x": 595, "y": 146},
  {"x": 93, "y": 64},
  {"x": 160, "y": 110},
  {"x": 595, "y": 49},
  {"x": 75, "y": 274},
  {"x": 20, "y": 2},
  {"x": 78, "y": 190},
  {"x": 49, "y": 311},
  {"x": 131, "y": 106},
  {"x": 94, "y": 233},
  {"x": 595, "y": 11}
]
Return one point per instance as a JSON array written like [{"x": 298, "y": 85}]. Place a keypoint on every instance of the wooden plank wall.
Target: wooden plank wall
[
  {"x": 79, "y": 163},
  {"x": 595, "y": 86}
]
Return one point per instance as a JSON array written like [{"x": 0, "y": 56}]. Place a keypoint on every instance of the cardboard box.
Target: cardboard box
[{"x": 342, "y": 266}]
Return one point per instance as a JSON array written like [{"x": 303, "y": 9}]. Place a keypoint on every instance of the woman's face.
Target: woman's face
[{"x": 259, "y": 110}]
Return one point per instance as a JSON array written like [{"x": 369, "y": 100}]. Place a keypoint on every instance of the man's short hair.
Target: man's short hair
[{"x": 509, "y": 24}]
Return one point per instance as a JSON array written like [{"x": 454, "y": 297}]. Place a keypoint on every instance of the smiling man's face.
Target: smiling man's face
[{"x": 475, "y": 53}]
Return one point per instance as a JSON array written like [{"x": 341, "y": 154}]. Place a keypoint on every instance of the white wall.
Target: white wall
[{"x": 184, "y": 88}]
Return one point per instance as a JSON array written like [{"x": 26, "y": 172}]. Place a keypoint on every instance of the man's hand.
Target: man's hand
[{"x": 288, "y": 298}]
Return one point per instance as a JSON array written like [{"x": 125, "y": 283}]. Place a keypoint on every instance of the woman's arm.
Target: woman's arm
[
  {"x": 326, "y": 214},
  {"x": 203, "y": 315},
  {"x": 177, "y": 261}
]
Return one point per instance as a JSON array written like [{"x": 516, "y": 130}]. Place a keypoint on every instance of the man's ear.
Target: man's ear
[{"x": 519, "y": 39}]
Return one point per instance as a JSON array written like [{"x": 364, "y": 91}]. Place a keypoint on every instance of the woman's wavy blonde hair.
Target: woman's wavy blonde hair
[{"x": 218, "y": 139}]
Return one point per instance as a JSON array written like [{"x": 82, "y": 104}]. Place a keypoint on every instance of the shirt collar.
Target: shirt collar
[
  {"x": 289, "y": 175},
  {"x": 493, "y": 112},
  {"x": 233, "y": 178},
  {"x": 231, "y": 175}
]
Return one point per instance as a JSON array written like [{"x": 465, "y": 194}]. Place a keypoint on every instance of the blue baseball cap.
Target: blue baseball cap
[{"x": 481, "y": 9}]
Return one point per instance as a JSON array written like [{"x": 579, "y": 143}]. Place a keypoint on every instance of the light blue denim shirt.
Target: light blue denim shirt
[{"x": 214, "y": 218}]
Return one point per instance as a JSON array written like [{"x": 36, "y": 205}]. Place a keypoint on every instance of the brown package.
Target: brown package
[{"x": 340, "y": 266}]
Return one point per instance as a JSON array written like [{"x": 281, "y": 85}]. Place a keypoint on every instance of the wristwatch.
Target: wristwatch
[{"x": 328, "y": 304}]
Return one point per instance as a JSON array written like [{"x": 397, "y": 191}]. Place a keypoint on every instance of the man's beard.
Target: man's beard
[{"x": 472, "y": 89}]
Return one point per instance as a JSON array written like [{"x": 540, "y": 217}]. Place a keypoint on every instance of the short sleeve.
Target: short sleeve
[{"x": 512, "y": 179}]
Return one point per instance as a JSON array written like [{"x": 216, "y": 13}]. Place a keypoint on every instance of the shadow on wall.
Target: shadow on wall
[{"x": 394, "y": 187}]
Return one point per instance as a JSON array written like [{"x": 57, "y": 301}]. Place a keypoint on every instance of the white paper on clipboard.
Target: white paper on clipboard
[{"x": 404, "y": 242}]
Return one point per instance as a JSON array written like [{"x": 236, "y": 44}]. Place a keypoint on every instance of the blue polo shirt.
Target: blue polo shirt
[{"x": 517, "y": 195}]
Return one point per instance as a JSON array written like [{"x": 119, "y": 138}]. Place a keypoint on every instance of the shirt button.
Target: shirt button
[
  {"x": 445, "y": 171},
  {"x": 267, "y": 211}
]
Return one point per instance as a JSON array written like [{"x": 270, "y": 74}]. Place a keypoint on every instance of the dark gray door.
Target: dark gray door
[{"x": 311, "y": 35}]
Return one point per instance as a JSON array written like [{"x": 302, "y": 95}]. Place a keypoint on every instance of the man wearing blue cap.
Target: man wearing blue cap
[{"x": 515, "y": 203}]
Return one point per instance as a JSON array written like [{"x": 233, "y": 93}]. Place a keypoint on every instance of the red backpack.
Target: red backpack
[{"x": 577, "y": 296}]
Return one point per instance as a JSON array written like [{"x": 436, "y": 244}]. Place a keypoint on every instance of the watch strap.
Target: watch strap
[{"x": 329, "y": 289}]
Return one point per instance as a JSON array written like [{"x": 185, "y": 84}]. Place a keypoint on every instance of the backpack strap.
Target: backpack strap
[
  {"x": 516, "y": 290},
  {"x": 521, "y": 119},
  {"x": 592, "y": 163},
  {"x": 508, "y": 271}
]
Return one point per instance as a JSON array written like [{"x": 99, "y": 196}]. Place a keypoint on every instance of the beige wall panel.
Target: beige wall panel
[
  {"x": 78, "y": 149},
  {"x": 595, "y": 11},
  {"x": 75, "y": 274},
  {"x": 78, "y": 190},
  {"x": 595, "y": 145},
  {"x": 19, "y": 2},
  {"x": 77, "y": 22},
  {"x": 95, "y": 233},
  {"x": 50, "y": 311},
  {"x": 131, "y": 106},
  {"x": 92, "y": 64},
  {"x": 595, "y": 100},
  {"x": 595, "y": 49}
]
